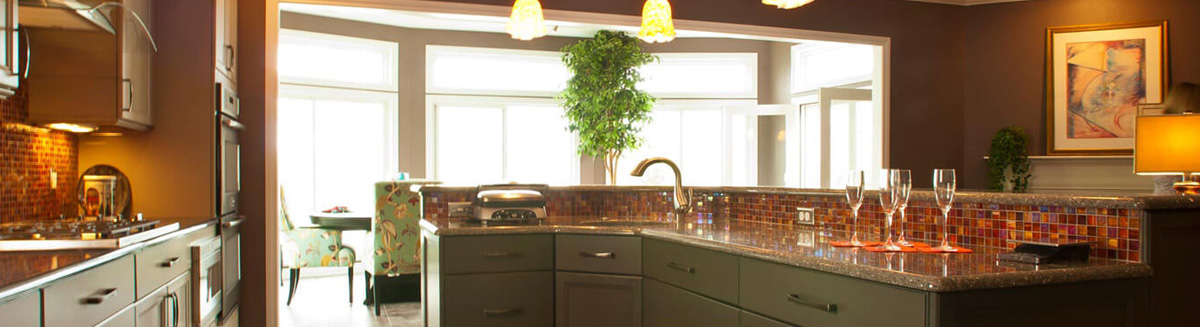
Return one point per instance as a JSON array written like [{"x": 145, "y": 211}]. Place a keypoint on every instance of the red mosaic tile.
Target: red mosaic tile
[{"x": 27, "y": 154}]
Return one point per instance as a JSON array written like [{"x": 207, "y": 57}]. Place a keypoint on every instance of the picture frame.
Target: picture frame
[{"x": 1097, "y": 77}]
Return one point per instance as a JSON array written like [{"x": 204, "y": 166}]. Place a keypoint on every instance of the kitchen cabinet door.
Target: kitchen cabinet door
[
  {"x": 226, "y": 41},
  {"x": 9, "y": 58},
  {"x": 137, "y": 58},
  {"x": 595, "y": 300},
  {"x": 668, "y": 306},
  {"x": 168, "y": 306}
]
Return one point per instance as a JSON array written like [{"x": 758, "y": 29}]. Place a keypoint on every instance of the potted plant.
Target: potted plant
[
  {"x": 601, "y": 101},
  {"x": 1008, "y": 160}
]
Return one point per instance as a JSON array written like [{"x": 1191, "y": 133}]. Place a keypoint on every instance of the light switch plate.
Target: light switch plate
[
  {"x": 806, "y": 216},
  {"x": 53, "y": 179},
  {"x": 459, "y": 209}
]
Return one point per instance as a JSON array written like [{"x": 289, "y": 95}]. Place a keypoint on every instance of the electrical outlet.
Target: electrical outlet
[
  {"x": 53, "y": 179},
  {"x": 806, "y": 216},
  {"x": 459, "y": 209}
]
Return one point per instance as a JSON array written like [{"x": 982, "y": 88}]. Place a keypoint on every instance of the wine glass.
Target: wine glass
[
  {"x": 943, "y": 189},
  {"x": 854, "y": 198},
  {"x": 888, "y": 193},
  {"x": 903, "y": 189}
]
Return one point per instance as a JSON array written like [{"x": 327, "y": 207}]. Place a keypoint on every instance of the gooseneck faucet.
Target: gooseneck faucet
[{"x": 683, "y": 202}]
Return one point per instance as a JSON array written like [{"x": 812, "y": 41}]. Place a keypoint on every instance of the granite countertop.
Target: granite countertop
[
  {"x": 22, "y": 271},
  {"x": 809, "y": 248},
  {"x": 1131, "y": 201}
]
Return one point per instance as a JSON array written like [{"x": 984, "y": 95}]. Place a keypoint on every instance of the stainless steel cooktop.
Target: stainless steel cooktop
[{"x": 78, "y": 234}]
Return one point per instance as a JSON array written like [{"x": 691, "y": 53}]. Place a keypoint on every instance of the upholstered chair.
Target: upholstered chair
[
  {"x": 396, "y": 260},
  {"x": 305, "y": 247}
]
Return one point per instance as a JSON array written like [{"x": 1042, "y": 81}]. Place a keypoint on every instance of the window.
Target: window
[
  {"x": 335, "y": 142},
  {"x": 702, "y": 75},
  {"x": 497, "y": 140},
  {"x": 305, "y": 58},
  {"x": 841, "y": 126},
  {"x": 483, "y": 71},
  {"x": 691, "y": 132},
  {"x": 830, "y": 65}
]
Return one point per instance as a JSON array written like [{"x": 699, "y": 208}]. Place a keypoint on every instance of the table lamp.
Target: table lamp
[{"x": 1169, "y": 145}]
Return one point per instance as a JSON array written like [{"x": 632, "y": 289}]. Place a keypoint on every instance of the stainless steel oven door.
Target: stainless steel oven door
[
  {"x": 229, "y": 152},
  {"x": 231, "y": 254},
  {"x": 206, "y": 282}
]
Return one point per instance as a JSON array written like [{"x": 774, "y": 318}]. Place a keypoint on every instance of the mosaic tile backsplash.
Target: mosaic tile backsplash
[
  {"x": 1116, "y": 233},
  {"x": 27, "y": 154}
]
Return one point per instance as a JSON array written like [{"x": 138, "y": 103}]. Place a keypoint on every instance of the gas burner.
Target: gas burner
[{"x": 76, "y": 234}]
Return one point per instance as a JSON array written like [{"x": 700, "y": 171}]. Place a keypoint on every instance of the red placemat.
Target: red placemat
[
  {"x": 846, "y": 244},
  {"x": 937, "y": 250},
  {"x": 881, "y": 249}
]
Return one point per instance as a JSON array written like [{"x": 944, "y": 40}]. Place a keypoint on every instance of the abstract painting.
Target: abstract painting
[{"x": 1098, "y": 76}]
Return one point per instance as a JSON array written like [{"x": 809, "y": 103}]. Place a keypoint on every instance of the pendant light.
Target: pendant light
[
  {"x": 786, "y": 4},
  {"x": 527, "y": 22},
  {"x": 656, "y": 22}
]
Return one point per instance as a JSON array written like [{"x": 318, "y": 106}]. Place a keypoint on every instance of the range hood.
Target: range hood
[{"x": 67, "y": 14}]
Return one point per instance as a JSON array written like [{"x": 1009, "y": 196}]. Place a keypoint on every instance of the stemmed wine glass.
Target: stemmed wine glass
[
  {"x": 903, "y": 189},
  {"x": 943, "y": 189},
  {"x": 854, "y": 198},
  {"x": 888, "y": 194}
]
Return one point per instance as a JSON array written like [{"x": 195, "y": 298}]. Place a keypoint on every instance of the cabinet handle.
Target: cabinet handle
[
  {"x": 28, "y": 53},
  {"x": 229, "y": 54},
  {"x": 164, "y": 312},
  {"x": 678, "y": 267},
  {"x": 496, "y": 255},
  {"x": 502, "y": 312},
  {"x": 602, "y": 255},
  {"x": 169, "y": 263},
  {"x": 175, "y": 309},
  {"x": 129, "y": 93},
  {"x": 100, "y": 296},
  {"x": 827, "y": 307}
]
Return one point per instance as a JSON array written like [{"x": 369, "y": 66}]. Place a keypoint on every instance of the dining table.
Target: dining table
[{"x": 342, "y": 221}]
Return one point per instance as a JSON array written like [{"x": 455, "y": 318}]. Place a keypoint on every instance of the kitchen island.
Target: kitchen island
[{"x": 729, "y": 273}]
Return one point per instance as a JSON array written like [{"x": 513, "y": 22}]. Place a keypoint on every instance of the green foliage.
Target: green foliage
[
  {"x": 601, "y": 101},
  {"x": 1008, "y": 160}
]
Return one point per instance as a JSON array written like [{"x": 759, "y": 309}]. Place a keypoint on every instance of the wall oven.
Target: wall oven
[
  {"x": 228, "y": 180},
  {"x": 231, "y": 272},
  {"x": 206, "y": 282}
]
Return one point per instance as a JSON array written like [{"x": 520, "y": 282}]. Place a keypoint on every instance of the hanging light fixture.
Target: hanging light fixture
[
  {"x": 526, "y": 22},
  {"x": 656, "y": 22},
  {"x": 786, "y": 4}
]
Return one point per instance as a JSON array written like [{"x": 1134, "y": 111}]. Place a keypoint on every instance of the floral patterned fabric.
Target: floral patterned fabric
[
  {"x": 312, "y": 247},
  {"x": 395, "y": 227}
]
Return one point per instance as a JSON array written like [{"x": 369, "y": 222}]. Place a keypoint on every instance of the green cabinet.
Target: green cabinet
[
  {"x": 670, "y": 306},
  {"x": 520, "y": 299},
  {"x": 598, "y": 300},
  {"x": 706, "y": 272},
  {"x": 810, "y": 298}
]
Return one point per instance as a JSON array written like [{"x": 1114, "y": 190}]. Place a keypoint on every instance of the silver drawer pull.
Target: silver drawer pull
[
  {"x": 495, "y": 255},
  {"x": 502, "y": 312},
  {"x": 678, "y": 267},
  {"x": 100, "y": 296},
  {"x": 795, "y": 298},
  {"x": 169, "y": 263},
  {"x": 603, "y": 255}
]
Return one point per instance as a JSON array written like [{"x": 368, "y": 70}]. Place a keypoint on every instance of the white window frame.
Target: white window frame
[
  {"x": 727, "y": 106},
  {"x": 749, "y": 59},
  {"x": 433, "y": 51},
  {"x": 433, "y": 101},
  {"x": 390, "y": 49},
  {"x": 800, "y": 54}
]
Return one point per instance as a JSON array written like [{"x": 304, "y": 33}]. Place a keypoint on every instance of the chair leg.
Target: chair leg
[
  {"x": 375, "y": 295},
  {"x": 367, "y": 298},
  {"x": 294, "y": 277},
  {"x": 350, "y": 278}
]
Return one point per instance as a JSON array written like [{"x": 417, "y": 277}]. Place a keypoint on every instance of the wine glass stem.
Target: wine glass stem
[
  {"x": 854, "y": 228},
  {"x": 888, "y": 229},
  {"x": 946, "y": 228},
  {"x": 900, "y": 228}
]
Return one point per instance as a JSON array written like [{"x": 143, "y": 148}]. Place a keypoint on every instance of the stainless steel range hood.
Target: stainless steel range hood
[{"x": 68, "y": 14}]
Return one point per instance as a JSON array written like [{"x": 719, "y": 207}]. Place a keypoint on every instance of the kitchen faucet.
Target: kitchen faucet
[{"x": 683, "y": 202}]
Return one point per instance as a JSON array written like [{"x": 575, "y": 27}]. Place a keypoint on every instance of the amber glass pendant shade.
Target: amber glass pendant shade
[
  {"x": 526, "y": 22},
  {"x": 657, "y": 26}
]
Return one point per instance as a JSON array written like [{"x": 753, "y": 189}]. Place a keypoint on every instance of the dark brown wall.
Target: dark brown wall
[
  {"x": 1005, "y": 62},
  {"x": 927, "y": 60}
]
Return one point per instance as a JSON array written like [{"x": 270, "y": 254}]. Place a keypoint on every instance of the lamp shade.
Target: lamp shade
[
  {"x": 786, "y": 4},
  {"x": 1167, "y": 144},
  {"x": 657, "y": 26},
  {"x": 527, "y": 22}
]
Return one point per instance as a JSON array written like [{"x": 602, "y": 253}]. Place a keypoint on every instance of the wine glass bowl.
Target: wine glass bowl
[
  {"x": 944, "y": 185},
  {"x": 854, "y": 199}
]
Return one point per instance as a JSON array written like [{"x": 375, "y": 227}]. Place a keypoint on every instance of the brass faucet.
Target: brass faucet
[{"x": 683, "y": 203}]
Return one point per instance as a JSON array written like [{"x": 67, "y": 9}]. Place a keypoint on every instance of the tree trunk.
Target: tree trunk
[{"x": 610, "y": 166}]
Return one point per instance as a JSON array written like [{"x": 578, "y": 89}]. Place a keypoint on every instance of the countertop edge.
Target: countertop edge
[{"x": 19, "y": 288}]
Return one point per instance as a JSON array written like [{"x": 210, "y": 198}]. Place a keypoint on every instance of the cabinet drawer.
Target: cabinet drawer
[
  {"x": 158, "y": 264},
  {"x": 479, "y": 254},
  {"x": 815, "y": 299},
  {"x": 91, "y": 296},
  {"x": 702, "y": 271},
  {"x": 752, "y": 320},
  {"x": 669, "y": 306},
  {"x": 126, "y": 318},
  {"x": 23, "y": 310},
  {"x": 595, "y": 300},
  {"x": 523, "y": 299},
  {"x": 599, "y": 254}
]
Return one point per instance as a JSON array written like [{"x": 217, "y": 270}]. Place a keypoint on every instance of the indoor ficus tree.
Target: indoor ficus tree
[{"x": 602, "y": 103}]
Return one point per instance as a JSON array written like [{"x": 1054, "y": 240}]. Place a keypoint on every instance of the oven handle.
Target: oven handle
[{"x": 229, "y": 122}]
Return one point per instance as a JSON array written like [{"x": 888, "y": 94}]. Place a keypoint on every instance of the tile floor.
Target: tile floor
[{"x": 322, "y": 302}]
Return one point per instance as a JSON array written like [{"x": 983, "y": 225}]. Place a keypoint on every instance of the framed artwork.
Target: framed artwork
[{"x": 1097, "y": 77}]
